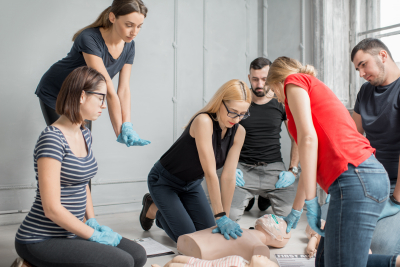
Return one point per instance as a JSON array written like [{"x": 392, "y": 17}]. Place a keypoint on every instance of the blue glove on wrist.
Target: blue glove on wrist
[
  {"x": 96, "y": 226},
  {"x": 106, "y": 238},
  {"x": 227, "y": 227},
  {"x": 129, "y": 137},
  {"x": 292, "y": 219},
  {"x": 390, "y": 209},
  {"x": 285, "y": 179},
  {"x": 239, "y": 177},
  {"x": 314, "y": 215}
]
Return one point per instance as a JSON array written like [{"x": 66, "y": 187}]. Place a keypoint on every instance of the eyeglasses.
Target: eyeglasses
[
  {"x": 94, "y": 93},
  {"x": 234, "y": 114}
]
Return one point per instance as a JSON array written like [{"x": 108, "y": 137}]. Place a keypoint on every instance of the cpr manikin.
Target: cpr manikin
[{"x": 269, "y": 231}]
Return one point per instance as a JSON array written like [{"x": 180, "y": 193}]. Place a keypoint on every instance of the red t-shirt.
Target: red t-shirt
[{"x": 339, "y": 142}]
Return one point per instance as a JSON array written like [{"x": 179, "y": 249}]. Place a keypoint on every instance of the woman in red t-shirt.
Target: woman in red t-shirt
[{"x": 338, "y": 158}]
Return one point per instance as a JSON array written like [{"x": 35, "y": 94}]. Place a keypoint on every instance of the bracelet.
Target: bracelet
[
  {"x": 220, "y": 214},
  {"x": 394, "y": 200}
]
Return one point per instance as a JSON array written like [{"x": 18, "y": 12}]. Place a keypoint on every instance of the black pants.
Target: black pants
[
  {"x": 50, "y": 115},
  {"x": 67, "y": 252}
]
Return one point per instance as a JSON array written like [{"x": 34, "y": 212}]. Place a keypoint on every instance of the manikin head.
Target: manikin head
[
  {"x": 259, "y": 68},
  {"x": 124, "y": 17},
  {"x": 373, "y": 60},
  {"x": 280, "y": 69},
  {"x": 230, "y": 103},
  {"x": 274, "y": 229},
  {"x": 82, "y": 95}
]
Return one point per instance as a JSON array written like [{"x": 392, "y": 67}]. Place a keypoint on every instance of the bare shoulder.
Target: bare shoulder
[
  {"x": 240, "y": 133},
  {"x": 202, "y": 123}
]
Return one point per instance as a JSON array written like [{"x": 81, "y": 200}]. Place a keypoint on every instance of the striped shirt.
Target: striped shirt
[
  {"x": 75, "y": 175},
  {"x": 230, "y": 261}
]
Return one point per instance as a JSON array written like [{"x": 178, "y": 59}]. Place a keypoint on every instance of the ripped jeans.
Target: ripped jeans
[{"x": 357, "y": 198}]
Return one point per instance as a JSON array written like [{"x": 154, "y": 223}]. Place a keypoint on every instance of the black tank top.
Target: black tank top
[{"x": 182, "y": 159}]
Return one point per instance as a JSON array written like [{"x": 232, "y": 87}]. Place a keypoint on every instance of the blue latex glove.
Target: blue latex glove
[
  {"x": 285, "y": 179},
  {"x": 239, "y": 177},
  {"x": 328, "y": 198},
  {"x": 292, "y": 219},
  {"x": 129, "y": 137},
  {"x": 314, "y": 215},
  {"x": 106, "y": 238},
  {"x": 390, "y": 209},
  {"x": 227, "y": 227},
  {"x": 96, "y": 226}
]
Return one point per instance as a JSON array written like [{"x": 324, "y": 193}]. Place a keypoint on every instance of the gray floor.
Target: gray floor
[{"x": 127, "y": 225}]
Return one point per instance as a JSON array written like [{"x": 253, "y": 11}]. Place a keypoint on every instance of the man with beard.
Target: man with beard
[
  {"x": 261, "y": 170},
  {"x": 376, "y": 112}
]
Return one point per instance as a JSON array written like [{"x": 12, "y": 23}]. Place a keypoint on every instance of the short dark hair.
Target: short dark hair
[
  {"x": 260, "y": 63},
  {"x": 371, "y": 46},
  {"x": 80, "y": 79}
]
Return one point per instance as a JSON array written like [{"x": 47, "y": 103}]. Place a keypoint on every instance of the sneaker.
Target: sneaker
[
  {"x": 250, "y": 205},
  {"x": 145, "y": 222},
  {"x": 263, "y": 203}
]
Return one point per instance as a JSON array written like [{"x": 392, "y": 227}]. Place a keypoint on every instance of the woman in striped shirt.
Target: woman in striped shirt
[{"x": 53, "y": 232}]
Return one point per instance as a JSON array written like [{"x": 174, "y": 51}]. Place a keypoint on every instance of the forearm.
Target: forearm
[
  {"x": 114, "y": 110},
  {"x": 124, "y": 95},
  {"x": 294, "y": 155},
  {"x": 65, "y": 219},
  {"x": 396, "y": 192},
  {"x": 227, "y": 190},
  {"x": 214, "y": 193},
  {"x": 308, "y": 153},
  {"x": 89, "y": 204},
  {"x": 300, "y": 195}
]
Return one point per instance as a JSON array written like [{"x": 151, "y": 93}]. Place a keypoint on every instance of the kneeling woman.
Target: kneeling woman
[
  {"x": 64, "y": 164},
  {"x": 338, "y": 158},
  {"x": 212, "y": 139}
]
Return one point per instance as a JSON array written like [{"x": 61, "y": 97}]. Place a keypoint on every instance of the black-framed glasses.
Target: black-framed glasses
[
  {"x": 234, "y": 114},
  {"x": 94, "y": 93}
]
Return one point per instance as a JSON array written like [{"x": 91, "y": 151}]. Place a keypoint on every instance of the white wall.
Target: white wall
[{"x": 214, "y": 41}]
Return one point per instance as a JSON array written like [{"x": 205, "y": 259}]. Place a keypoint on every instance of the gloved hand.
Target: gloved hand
[
  {"x": 239, "y": 177},
  {"x": 96, "y": 226},
  {"x": 292, "y": 219},
  {"x": 390, "y": 209},
  {"x": 106, "y": 238},
  {"x": 285, "y": 179},
  {"x": 314, "y": 216},
  {"x": 328, "y": 198},
  {"x": 129, "y": 137},
  {"x": 227, "y": 227}
]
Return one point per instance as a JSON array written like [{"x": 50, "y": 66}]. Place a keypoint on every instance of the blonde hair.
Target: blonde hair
[
  {"x": 284, "y": 66},
  {"x": 119, "y": 8},
  {"x": 231, "y": 90}
]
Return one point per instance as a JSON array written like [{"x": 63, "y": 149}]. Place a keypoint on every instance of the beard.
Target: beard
[
  {"x": 260, "y": 93},
  {"x": 380, "y": 79}
]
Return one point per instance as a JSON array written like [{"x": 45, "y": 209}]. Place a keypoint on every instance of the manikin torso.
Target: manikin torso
[{"x": 208, "y": 246}]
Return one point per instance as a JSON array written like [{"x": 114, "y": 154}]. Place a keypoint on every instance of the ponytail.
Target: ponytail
[
  {"x": 119, "y": 8},
  {"x": 308, "y": 69},
  {"x": 101, "y": 21}
]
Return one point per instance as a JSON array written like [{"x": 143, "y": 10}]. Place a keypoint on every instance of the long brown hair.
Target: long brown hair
[
  {"x": 284, "y": 66},
  {"x": 68, "y": 100},
  {"x": 119, "y": 8},
  {"x": 231, "y": 90}
]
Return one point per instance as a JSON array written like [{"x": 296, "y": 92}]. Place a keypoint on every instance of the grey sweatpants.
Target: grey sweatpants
[{"x": 261, "y": 180}]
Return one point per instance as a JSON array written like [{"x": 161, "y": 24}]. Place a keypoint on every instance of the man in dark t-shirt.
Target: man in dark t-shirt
[
  {"x": 260, "y": 161},
  {"x": 376, "y": 113}
]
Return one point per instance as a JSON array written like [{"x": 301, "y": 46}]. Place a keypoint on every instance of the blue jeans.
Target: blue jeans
[
  {"x": 386, "y": 238},
  {"x": 357, "y": 198},
  {"x": 182, "y": 207}
]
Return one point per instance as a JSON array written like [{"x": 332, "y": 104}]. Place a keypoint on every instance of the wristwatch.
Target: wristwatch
[{"x": 294, "y": 170}]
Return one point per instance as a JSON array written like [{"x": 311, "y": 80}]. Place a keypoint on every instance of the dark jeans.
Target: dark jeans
[
  {"x": 74, "y": 252},
  {"x": 50, "y": 115},
  {"x": 182, "y": 207},
  {"x": 357, "y": 198}
]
